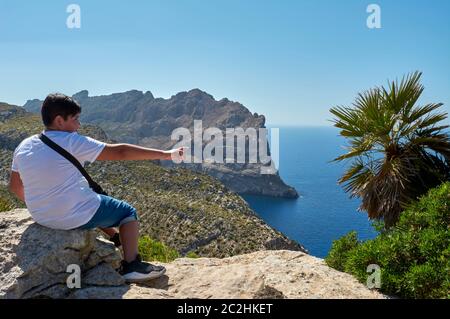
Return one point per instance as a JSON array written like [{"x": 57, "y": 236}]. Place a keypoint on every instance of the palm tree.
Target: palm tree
[{"x": 398, "y": 149}]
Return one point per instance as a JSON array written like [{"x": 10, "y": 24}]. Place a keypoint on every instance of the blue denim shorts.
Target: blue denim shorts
[{"x": 111, "y": 213}]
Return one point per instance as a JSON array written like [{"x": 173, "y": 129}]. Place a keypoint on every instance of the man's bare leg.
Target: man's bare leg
[{"x": 129, "y": 235}]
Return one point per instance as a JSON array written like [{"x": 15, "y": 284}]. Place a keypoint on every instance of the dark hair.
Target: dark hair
[{"x": 58, "y": 104}]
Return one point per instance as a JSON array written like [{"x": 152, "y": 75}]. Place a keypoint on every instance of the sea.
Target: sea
[{"x": 324, "y": 212}]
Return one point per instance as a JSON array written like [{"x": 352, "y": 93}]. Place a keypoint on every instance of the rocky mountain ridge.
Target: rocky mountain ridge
[{"x": 140, "y": 118}]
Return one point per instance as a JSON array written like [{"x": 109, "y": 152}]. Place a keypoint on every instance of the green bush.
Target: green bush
[
  {"x": 5, "y": 205},
  {"x": 414, "y": 256},
  {"x": 424, "y": 281},
  {"x": 192, "y": 254},
  {"x": 8, "y": 200},
  {"x": 151, "y": 250},
  {"x": 340, "y": 250}
]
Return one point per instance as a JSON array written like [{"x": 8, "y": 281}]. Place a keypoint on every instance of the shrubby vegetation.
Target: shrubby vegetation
[
  {"x": 8, "y": 201},
  {"x": 414, "y": 255},
  {"x": 152, "y": 250}
]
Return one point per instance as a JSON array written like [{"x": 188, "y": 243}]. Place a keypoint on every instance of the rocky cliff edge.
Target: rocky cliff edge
[{"x": 34, "y": 264}]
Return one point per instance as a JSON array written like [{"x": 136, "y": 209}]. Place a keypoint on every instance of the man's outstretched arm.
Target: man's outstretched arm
[
  {"x": 16, "y": 185},
  {"x": 129, "y": 152}
]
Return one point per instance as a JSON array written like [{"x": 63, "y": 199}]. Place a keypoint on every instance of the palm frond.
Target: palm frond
[{"x": 399, "y": 149}]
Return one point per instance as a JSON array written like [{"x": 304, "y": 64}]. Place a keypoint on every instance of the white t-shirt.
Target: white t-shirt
[{"x": 56, "y": 193}]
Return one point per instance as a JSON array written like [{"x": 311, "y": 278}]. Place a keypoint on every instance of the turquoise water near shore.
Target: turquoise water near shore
[{"x": 324, "y": 212}]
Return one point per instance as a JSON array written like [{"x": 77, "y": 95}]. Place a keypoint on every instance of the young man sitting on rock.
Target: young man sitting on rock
[{"x": 59, "y": 197}]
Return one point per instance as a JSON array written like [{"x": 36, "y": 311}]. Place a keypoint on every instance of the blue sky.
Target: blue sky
[{"x": 289, "y": 60}]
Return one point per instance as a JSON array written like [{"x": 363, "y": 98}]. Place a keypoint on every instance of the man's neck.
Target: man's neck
[
  {"x": 50, "y": 129},
  {"x": 54, "y": 130}
]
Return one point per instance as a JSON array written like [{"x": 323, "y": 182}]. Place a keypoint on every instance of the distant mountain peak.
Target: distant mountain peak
[
  {"x": 81, "y": 95},
  {"x": 149, "y": 94},
  {"x": 137, "y": 92},
  {"x": 194, "y": 93},
  {"x": 197, "y": 91}
]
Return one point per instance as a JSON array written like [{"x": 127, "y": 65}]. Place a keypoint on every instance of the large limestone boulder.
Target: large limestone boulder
[{"x": 34, "y": 260}]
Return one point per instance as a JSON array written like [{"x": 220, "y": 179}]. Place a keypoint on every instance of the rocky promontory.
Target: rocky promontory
[{"x": 140, "y": 118}]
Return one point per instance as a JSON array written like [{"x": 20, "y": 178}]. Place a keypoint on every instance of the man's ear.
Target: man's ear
[{"x": 58, "y": 121}]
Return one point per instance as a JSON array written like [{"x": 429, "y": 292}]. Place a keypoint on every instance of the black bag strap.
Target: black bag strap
[{"x": 97, "y": 188}]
